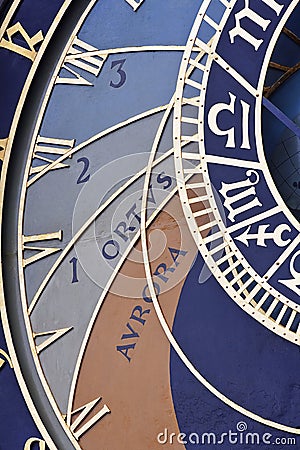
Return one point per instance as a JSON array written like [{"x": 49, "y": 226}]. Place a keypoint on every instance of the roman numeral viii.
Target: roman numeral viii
[
  {"x": 85, "y": 57},
  {"x": 46, "y": 155},
  {"x": 39, "y": 252}
]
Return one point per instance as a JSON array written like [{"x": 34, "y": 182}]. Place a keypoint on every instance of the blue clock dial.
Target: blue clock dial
[{"x": 149, "y": 200}]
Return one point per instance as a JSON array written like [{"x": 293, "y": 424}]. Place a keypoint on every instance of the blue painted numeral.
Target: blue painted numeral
[
  {"x": 74, "y": 262},
  {"x": 86, "y": 165},
  {"x": 119, "y": 65}
]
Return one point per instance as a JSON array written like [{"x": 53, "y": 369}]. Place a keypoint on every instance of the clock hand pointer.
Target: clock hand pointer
[{"x": 281, "y": 116}]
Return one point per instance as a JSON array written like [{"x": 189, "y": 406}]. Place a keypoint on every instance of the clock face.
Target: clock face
[{"x": 151, "y": 242}]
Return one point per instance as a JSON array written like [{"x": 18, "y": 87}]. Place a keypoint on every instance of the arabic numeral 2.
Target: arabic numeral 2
[
  {"x": 118, "y": 66},
  {"x": 83, "y": 178}
]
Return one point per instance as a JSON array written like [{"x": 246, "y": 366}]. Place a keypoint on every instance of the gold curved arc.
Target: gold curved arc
[
  {"x": 120, "y": 50},
  {"x": 104, "y": 294},
  {"x": 151, "y": 287},
  {"x": 10, "y": 139},
  {"x": 94, "y": 138},
  {"x": 7, "y": 357},
  {"x": 110, "y": 199},
  {"x": 224, "y": 232},
  {"x": 9, "y": 16},
  {"x": 23, "y": 95},
  {"x": 84, "y": 227},
  {"x": 124, "y": 256}
]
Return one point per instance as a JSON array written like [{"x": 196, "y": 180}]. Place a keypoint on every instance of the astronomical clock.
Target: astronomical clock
[{"x": 150, "y": 236}]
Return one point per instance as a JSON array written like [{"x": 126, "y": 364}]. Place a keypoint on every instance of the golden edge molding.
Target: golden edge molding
[
  {"x": 256, "y": 313},
  {"x": 8, "y": 17},
  {"x": 30, "y": 336},
  {"x": 4, "y": 26},
  {"x": 6, "y": 157}
]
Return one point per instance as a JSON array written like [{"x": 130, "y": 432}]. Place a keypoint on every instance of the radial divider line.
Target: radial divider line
[
  {"x": 105, "y": 291},
  {"x": 291, "y": 319},
  {"x": 233, "y": 162},
  {"x": 281, "y": 314},
  {"x": 107, "y": 287},
  {"x": 225, "y": 258},
  {"x": 237, "y": 276},
  {"x": 271, "y": 308},
  {"x": 244, "y": 223},
  {"x": 286, "y": 253},
  {"x": 244, "y": 286},
  {"x": 144, "y": 225},
  {"x": 236, "y": 75}
]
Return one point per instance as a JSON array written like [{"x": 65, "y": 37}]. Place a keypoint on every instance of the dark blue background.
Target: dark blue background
[
  {"x": 237, "y": 355},
  {"x": 16, "y": 423}
]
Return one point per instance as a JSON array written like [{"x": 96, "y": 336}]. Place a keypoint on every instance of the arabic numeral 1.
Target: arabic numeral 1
[{"x": 74, "y": 262}]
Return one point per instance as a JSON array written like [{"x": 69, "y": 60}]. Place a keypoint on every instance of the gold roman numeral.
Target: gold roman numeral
[
  {"x": 3, "y": 144},
  {"x": 3, "y": 358},
  {"x": 84, "y": 56},
  {"x": 48, "y": 146},
  {"x": 134, "y": 4},
  {"x": 41, "y": 252},
  {"x": 31, "y": 42},
  {"x": 85, "y": 411},
  {"x": 30, "y": 444},
  {"x": 53, "y": 336}
]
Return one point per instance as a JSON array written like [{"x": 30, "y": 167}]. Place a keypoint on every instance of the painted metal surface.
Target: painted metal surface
[{"x": 150, "y": 256}]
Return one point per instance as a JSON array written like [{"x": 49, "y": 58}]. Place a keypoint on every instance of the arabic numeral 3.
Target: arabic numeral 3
[{"x": 118, "y": 65}]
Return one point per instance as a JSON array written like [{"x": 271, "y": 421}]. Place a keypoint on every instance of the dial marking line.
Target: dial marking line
[
  {"x": 168, "y": 108},
  {"x": 214, "y": 56},
  {"x": 115, "y": 272},
  {"x": 89, "y": 221},
  {"x": 244, "y": 223},
  {"x": 233, "y": 162},
  {"x": 137, "y": 236},
  {"x": 98, "y": 136},
  {"x": 113, "y": 51},
  {"x": 109, "y": 283},
  {"x": 236, "y": 75},
  {"x": 286, "y": 253},
  {"x": 94, "y": 138},
  {"x": 193, "y": 227},
  {"x": 105, "y": 291}
]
